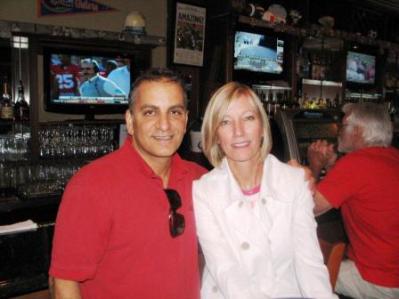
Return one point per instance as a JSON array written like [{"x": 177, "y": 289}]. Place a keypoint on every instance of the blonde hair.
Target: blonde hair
[{"x": 214, "y": 113}]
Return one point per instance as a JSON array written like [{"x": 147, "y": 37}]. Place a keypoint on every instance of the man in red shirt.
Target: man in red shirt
[
  {"x": 365, "y": 185},
  {"x": 125, "y": 227}
]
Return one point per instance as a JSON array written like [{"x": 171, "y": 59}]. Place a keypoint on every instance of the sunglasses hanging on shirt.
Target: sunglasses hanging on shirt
[{"x": 176, "y": 220}]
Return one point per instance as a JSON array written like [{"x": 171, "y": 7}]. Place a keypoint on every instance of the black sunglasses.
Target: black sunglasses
[{"x": 176, "y": 220}]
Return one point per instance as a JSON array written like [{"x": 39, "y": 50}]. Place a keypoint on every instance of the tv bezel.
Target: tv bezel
[
  {"x": 138, "y": 64},
  {"x": 250, "y": 77}
]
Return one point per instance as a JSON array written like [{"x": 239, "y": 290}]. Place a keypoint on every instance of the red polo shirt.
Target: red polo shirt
[
  {"x": 365, "y": 184},
  {"x": 112, "y": 231}
]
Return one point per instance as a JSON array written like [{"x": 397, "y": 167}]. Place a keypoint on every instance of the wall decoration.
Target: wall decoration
[
  {"x": 189, "y": 34},
  {"x": 51, "y": 7}
]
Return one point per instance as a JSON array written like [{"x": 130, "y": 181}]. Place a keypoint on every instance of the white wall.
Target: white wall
[{"x": 155, "y": 12}]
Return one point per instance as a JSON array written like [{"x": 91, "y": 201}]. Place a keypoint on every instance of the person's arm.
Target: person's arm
[
  {"x": 322, "y": 205},
  {"x": 64, "y": 289},
  {"x": 312, "y": 274},
  {"x": 81, "y": 233}
]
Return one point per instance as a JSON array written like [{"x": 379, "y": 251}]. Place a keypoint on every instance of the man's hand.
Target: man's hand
[{"x": 321, "y": 155}]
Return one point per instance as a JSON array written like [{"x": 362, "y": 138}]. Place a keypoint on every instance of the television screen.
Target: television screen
[
  {"x": 89, "y": 79},
  {"x": 360, "y": 68},
  {"x": 258, "y": 53}
]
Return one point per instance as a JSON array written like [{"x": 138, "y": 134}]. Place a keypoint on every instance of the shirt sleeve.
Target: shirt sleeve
[
  {"x": 82, "y": 229},
  {"x": 339, "y": 183}
]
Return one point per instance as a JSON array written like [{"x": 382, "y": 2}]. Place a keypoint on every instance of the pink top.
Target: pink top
[{"x": 252, "y": 191}]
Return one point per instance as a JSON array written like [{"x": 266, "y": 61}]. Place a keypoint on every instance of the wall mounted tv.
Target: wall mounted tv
[
  {"x": 256, "y": 52},
  {"x": 360, "y": 68},
  {"x": 89, "y": 81}
]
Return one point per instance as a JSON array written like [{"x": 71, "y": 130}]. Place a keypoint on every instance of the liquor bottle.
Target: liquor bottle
[
  {"x": 284, "y": 104},
  {"x": 7, "y": 109},
  {"x": 276, "y": 102},
  {"x": 265, "y": 96},
  {"x": 21, "y": 107}
]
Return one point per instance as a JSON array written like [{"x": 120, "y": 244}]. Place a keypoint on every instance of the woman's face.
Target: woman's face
[{"x": 240, "y": 131}]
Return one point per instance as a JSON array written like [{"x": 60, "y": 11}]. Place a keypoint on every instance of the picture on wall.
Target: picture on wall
[{"x": 189, "y": 34}]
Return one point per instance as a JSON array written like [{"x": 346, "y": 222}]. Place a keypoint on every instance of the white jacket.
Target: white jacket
[{"x": 267, "y": 251}]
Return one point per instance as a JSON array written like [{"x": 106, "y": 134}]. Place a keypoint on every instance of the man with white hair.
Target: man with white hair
[{"x": 365, "y": 185}]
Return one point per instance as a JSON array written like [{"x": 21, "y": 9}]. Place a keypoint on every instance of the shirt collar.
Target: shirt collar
[
  {"x": 178, "y": 166},
  {"x": 92, "y": 79}
]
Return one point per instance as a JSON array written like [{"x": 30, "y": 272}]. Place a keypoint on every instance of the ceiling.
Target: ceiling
[{"x": 358, "y": 16}]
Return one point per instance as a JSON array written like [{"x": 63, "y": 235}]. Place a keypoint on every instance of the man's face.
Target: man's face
[
  {"x": 87, "y": 71},
  {"x": 157, "y": 121}
]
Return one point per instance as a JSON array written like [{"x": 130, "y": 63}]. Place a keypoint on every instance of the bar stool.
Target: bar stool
[{"x": 332, "y": 254}]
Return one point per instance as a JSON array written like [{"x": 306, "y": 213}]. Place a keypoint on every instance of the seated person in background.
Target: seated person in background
[
  {"x": 365, "y": 185},
  {"x": 94, "y": 84},
  {"x": 254, "y": 214}
]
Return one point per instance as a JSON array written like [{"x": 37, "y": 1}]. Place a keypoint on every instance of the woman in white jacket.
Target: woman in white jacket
[{"x": 254, "y": 213}]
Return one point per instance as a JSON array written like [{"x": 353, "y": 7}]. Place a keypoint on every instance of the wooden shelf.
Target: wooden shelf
[{"x": 6, "y": 28}]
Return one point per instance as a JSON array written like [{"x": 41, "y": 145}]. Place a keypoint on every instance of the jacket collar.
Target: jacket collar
[{"x": 270, "y": 183}]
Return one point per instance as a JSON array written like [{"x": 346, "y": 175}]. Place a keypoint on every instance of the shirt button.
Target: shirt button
[
  {"x": 214, "y": 289},
  {"x": 240, "y": 204},
  {"x": 263, "y": 201},
  {"x": 245, "y": 245}
]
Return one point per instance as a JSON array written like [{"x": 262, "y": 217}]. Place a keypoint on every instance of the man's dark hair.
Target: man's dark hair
[{"x": 157, "y": 75}]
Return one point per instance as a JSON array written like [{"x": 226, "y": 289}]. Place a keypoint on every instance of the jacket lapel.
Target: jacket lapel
[
  {"x": 278, "y": 203},
  {"x": 239, "y": 216}
]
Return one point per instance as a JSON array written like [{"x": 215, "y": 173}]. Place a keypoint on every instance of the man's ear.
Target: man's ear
[
  {"x": 358, "y": 136},
  {"x": 129, "y": 121},
  {"x": 187, "y": 112}
]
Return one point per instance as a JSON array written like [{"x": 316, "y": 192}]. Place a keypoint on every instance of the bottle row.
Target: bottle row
[{"x": 14, "y": 110}]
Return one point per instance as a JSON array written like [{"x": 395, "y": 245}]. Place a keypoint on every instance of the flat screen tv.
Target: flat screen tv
[
  {"x": 257, "y": 52},
  {"x": 360, "y": 68},
  {"x": 89, "y": 82}
]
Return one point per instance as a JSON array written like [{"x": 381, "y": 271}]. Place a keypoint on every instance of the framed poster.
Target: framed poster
[{"x": 189, "y": 34}]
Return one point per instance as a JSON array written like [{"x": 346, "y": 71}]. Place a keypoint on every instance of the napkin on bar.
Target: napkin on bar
[{"x": 18, "y": 227}]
